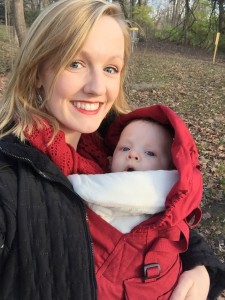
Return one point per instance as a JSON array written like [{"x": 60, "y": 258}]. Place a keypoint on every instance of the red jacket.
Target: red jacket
[{"x": 145, "y": 263}]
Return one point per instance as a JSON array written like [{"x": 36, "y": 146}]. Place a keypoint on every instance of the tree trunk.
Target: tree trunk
[
  {"x": 176, "y": 12},
  {"x": 221, "y": 19},
  {"x": 133, "y": 2},
  {"x": 19, "y": 19},
  {"x": 123, "y": 6},
  {"x": 186, "y": 22},
  {"x": 6, "y": 14}
]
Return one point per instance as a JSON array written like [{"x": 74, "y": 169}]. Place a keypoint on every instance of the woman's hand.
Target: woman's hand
[{"x": 192, "y": 285}]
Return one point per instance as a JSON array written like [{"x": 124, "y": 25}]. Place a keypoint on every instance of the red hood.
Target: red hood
[{"x": 184, "y": 199}]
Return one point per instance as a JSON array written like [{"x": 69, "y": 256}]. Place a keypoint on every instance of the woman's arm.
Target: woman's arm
[{"x": 194, "y": 282}]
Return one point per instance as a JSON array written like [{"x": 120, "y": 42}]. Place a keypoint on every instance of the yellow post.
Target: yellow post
[
  {"x": 216, "y": 46},
  {"x": 134, "y": 37}
]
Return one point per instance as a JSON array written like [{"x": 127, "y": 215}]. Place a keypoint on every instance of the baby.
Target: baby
[{"x": 125, "y": 200}]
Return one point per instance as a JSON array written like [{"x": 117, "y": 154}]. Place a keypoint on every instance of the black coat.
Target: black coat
[{"x": 45, "y": 245}]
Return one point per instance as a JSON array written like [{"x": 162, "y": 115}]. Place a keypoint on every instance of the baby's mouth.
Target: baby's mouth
[{"x": 130, "y": 170}]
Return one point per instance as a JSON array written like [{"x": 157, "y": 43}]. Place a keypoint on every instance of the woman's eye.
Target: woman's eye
[
  {"x": 75, "y": 65},
  {"x": 124, "y": 149},
  {"x": 111, "y": 70},
  {"x": 150, "y": 153}
]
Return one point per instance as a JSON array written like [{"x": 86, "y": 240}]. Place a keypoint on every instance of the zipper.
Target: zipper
[{"x": 83, "y": 213}]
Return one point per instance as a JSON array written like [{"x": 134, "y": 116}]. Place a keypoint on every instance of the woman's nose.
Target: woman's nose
[{"x": 95, "y": 83}]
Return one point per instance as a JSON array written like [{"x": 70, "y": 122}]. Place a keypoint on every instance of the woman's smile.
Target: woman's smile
[{"x": 87, "y": 107}]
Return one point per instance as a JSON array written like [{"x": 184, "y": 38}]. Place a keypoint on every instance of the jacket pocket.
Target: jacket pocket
[
  {"x": 159, "y": 288},
  {"x": 135, "y": 290}
]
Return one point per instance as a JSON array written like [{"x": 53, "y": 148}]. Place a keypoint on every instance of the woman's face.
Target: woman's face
[{"x": 85, "y": 91}]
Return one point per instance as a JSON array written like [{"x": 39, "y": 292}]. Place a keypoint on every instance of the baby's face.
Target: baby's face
[{"x": 142, "y": 146}]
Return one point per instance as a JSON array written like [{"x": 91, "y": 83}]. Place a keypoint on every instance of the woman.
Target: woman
[{"x": 68, "y": 75}]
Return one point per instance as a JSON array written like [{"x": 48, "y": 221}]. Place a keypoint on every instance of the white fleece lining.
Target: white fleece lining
[{"x": 125, "y": 199}]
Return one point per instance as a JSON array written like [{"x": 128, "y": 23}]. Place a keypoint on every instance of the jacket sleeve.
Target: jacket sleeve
[
  {"x": 199, "y": 253},
  {"x": 2, "y": 232},
  {"x": 8, "y": 207}
]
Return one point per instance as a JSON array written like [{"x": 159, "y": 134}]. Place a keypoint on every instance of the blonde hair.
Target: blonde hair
[{"x": 57, "y": 34}]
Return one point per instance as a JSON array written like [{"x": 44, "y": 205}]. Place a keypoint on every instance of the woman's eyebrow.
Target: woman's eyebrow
[{"x": 88, "y": 55}]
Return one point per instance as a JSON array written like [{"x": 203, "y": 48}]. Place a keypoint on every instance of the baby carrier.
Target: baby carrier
[{"x": 145, "y": 263}]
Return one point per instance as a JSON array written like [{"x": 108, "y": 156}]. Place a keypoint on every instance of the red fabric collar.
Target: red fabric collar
[
  {"x": 65, "y": 156},
  {"x": 185, "y": 197}
]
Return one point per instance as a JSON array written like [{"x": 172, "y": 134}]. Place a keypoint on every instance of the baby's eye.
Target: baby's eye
[
  {"x": 150, "y": 153},
  {"x": 75, "y": 65},
  {"x": 125, "y": 149},
  {"x": 111, "y": 70}
]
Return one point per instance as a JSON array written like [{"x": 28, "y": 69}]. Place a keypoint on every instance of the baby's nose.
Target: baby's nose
[{"x": 134, "y": 155}]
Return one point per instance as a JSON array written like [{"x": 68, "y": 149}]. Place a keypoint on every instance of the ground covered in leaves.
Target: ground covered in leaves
[{"x": 187, "y": 81}]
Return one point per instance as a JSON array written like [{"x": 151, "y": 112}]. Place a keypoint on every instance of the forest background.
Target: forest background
[
  {"x": 173, "y": 62},
  {"x": 190, "y": 22}
]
